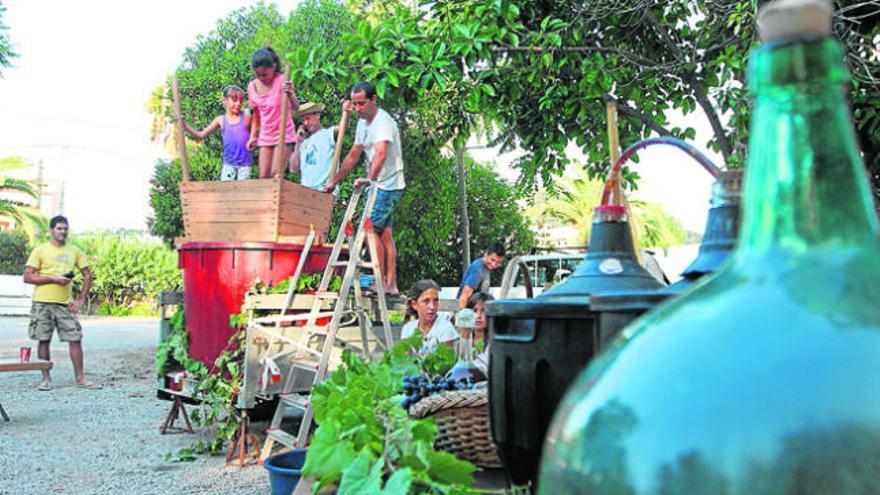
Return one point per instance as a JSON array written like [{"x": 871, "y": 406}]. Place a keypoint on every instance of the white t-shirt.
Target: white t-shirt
[
  {"x": 315, "y": 157},
  {"x": 442, "y": 331},
  {"x": 383, "y": 128}
]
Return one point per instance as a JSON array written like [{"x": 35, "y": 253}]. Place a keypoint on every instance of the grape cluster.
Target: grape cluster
[{"x": 418, "y": 387}]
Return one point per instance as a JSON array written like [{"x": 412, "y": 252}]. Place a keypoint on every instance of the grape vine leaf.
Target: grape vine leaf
[{"x": 363, "y": 476}]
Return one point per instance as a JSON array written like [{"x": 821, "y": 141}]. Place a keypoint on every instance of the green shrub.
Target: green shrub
[
  {"x": 127, "y": 274},
  {"x": 13, "y": 252}
]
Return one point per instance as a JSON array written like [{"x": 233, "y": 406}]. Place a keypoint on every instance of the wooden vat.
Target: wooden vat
[{"x": 260, "y": 210}]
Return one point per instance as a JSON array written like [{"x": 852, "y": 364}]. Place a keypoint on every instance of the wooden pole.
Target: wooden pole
[
  {"x": 277, "y": 158},
  {"x": 614, "y": 152},
  {"x": 337, "y": 153},
  {"x": 613, "y": 148},
  {"x": 181, "y": 140}
]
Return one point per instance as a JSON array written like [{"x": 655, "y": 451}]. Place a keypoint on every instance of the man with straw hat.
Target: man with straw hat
[{"x": 313, "y": 148}]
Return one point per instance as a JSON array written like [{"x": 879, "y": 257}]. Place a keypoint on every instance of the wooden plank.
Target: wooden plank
[
  {"x": 231, "y": 185},
  {"x": 292, "y": 189},
  {"x": 224, "y": 196},
  {"x": 318, "y": 203},
  {"x": 304, "y": 216},
  {"x": 233, "y": 216},
  {"x": 257, "y": 207},
  {"x": 233, "y": 232},
  {"x": 30, "y": 366}
]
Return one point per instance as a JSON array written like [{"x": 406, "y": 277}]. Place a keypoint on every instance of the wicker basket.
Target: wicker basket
[{"x": 462, "y": 417}]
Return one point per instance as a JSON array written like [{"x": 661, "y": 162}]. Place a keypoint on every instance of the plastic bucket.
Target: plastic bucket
[{"x": 285, "y": 470}]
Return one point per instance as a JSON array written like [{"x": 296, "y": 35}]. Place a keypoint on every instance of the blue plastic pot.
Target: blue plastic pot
[{"x": 285, "y": 470}]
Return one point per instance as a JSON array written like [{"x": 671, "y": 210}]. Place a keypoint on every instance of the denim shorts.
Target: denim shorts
[{"x": 383, "y": 208}]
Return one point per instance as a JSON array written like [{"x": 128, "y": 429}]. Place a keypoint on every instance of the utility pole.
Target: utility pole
[
  {"x": 40, "y": 184},
  {"x": 61, "y": 199}
]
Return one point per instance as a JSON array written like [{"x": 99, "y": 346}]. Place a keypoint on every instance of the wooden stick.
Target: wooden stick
[
  {"x": 181, "y": 140},
  {"x": 615, "y": 179},
  {"x": 337, "y": 153},
  {"x": 277, "y": 158},
  {"x": 613, "y": 148}
]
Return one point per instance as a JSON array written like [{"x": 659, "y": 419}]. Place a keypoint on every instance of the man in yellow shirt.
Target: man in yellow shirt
[{"x": 50, "y": 267}]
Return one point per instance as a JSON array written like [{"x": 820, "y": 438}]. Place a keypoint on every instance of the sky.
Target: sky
[{"x": 75, "y": 99}]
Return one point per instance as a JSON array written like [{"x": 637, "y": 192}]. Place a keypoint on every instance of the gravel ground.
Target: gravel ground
[{"x": 75, "y": 441}]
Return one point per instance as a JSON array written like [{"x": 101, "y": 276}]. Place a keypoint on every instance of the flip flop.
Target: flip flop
[
  {"x": 90, "y": 386},
  {"x": 44, "y": 386}
]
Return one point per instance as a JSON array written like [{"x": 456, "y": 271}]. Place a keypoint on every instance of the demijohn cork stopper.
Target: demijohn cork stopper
[{"x": 784, "y": 19}]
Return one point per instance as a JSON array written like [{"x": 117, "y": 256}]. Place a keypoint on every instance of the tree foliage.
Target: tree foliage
[
  {"x": 126, "y": 273},
  {"x": 13, "y": 252},
  {"x": 426, "y": 222},
  {"x": 7, "y": 53},
  {"x": 18, "y": 198},
  {"x": 538, "y": 74},
  {"x": 578, "y": 195}
]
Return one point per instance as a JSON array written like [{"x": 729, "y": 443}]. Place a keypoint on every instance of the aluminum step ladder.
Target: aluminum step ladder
[{"x": 317, "y": 363}]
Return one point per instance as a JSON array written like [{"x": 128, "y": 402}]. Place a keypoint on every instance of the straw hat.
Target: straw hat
[{"x": 308, "y": 108}]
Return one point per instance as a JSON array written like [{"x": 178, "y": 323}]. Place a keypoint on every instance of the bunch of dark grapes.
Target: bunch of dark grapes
[{"x": 418, "y": 387}]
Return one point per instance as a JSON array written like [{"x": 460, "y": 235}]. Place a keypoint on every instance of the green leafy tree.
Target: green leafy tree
[
  {"x": 7, "y": 53},
  {"x": 426, "y": 221},
  {"x": 538, "y": 74}
]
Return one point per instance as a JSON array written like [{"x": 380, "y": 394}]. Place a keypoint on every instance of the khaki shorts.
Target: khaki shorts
[{"x": 46, "y": 317}]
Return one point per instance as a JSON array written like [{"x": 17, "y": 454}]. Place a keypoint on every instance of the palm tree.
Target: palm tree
[
  {"x": 577, "y": 195},
  {"x": 15, "y": 196}
]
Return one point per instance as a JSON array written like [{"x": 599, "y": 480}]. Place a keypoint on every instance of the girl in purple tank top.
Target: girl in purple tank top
[{"x": 235, "y": 130}]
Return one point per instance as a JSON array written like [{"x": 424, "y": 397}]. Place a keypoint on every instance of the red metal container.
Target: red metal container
[{"x": 217, "y": 274}]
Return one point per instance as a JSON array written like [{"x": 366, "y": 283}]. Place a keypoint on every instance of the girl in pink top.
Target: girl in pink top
[{"x": 264, "y": 97}]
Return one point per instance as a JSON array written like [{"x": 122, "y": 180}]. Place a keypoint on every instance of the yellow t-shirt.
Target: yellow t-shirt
[{"x": 51, "y": 261}]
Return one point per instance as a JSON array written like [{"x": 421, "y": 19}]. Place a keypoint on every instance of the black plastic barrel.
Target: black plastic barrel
[{"x": 539, "y": 345}]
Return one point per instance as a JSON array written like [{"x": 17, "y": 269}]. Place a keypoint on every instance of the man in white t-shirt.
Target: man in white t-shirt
[
  {"x": 378, "y": 137},
  {"x": 313, "y": 148}
]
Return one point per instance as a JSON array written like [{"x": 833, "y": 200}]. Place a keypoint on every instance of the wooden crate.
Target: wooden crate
[{"x": 261, "y": 210}]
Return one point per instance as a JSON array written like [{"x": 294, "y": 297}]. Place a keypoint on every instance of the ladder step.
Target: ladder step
[
  {"x": 362, "y": 265},
  {"x": 327, "y": 294},
  {"x": 298, "y": 401},
  {"x": 281, "y": 437}
]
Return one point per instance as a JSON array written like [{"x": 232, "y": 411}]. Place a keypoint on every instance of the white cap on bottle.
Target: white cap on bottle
[{"x": 784, "y": 19}]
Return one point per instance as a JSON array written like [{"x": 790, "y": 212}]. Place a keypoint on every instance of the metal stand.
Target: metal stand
[
  {"x": 177, "y": 410},
  {"x": 238, "y": 455}
]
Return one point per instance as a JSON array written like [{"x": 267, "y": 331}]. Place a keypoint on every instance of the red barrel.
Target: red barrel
[{"x": 216, "y": 276}]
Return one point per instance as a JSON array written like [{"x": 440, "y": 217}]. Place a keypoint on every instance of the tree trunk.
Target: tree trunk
[{"x": 462, "y": 203}]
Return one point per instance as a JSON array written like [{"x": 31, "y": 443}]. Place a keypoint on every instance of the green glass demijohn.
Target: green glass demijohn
[{"x": 765, "y": 378}]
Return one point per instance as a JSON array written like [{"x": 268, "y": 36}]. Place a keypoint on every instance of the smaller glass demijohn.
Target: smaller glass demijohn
[
  {"x": 465, "y": 368},
  {"x": 765, "y": 378}
]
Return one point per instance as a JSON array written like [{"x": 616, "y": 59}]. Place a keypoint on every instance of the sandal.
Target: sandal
[
  {"x": 44, "y": 386},
  {"x": 90, "y": 386}
]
